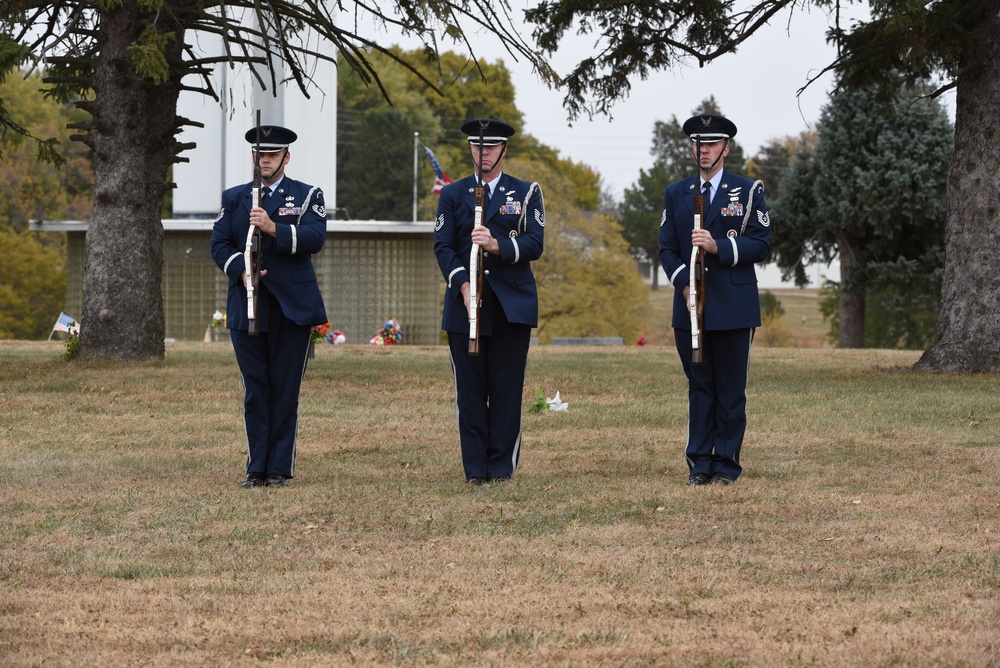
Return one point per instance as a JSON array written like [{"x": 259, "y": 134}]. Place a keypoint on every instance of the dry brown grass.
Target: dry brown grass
[
  {"x": 801, "y": 325},
  {"x": 802, "y": 318},
  {"x": 863, "y": 533}
]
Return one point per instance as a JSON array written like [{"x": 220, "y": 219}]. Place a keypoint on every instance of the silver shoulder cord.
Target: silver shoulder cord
[
  {"x": 522, "y": 225},
  {"x": 305, "y": 205},
  {"x": 746, "y": 216}
]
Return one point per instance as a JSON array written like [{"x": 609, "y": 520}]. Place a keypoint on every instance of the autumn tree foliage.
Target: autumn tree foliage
[
  {"x": 587, "y": 281},
  {"x": 376, "y": 138},
  {"x": 32, "y": 285},
  {"x": 32, "y": 268},
  {"x": 35, "y": 189}
]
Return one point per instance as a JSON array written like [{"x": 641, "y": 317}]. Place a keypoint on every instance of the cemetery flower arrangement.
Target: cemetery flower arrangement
[
  {"x": 218, "y": 320},
  {"x": 390, "y": 334},
  {"x": 320, "y": 332}
]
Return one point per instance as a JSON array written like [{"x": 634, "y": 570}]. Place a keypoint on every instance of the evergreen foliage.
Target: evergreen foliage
[{"x": 873, "y": 194}]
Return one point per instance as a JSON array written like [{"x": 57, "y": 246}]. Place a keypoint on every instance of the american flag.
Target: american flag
[
  {"x": 441, "y": 179},
  {"x": 65, "y": 323}
]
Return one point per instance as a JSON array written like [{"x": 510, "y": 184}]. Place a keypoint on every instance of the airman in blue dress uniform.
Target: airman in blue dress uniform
[
  {"x": 292, "y": 220},
  {"x": 488, "y": 386},
  {"x": 736, "y": 234}
]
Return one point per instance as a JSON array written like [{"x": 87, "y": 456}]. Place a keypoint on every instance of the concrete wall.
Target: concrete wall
[{"x": 368, "y": 273}]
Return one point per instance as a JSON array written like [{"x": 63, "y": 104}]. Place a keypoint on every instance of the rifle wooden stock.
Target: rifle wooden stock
[
  {"x": 252, "y": 257},
  {"x": 696, "y": 289},
  {"x": 476, "y": 276}
]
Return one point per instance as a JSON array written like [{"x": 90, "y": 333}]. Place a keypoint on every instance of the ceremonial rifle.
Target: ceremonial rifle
[
  {"x": 252, "y": 256},
  {"x": 696, "y": 285},
  {"x": 476, "y": 259}
]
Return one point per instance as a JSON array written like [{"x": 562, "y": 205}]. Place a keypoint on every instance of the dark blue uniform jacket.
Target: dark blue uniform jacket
[
  {"x": 518, "y": 227},
  {"x": 731, "y": 298},
  {"x": 299, "y": 212}
]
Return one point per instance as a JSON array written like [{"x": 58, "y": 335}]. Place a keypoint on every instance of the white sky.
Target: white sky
[{"x": 756, "y": 87}]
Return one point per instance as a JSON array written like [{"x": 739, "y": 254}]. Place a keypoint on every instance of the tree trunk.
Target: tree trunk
[
  {"x": 851, "y": 302},
  {"x": 132, "y": 134},
  {"x": 968, "y": 336},
  {"x": 851, "y": 314}
]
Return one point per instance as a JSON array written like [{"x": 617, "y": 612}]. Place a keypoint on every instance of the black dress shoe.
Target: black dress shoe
[
  {"x": 699, "y": 479},
  {"x": 276, "y": 481},
  {"x": 721, "y": 479},
  {"x": 253, "y": 480}
]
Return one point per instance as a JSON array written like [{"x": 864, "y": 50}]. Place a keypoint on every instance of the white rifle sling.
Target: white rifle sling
[
  {"x": 474, "y": 276},
  {"x": 248, "y": 259},
  {"x": 693, "y": 289}
]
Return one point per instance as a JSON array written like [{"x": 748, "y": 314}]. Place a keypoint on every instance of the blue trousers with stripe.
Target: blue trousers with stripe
[
  {"x": 272, "y": 366},
  {"x": 488, "y": 393},
  {"x": 717, "y": 399}
]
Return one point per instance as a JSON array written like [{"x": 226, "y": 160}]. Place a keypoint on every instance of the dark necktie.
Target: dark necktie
[
  {"x": 265, "y": 193},
  {"x": 707, "y": 198}
]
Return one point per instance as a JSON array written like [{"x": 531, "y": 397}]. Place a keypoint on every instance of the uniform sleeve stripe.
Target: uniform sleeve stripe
[
  {"x": 736, "y": 251},
  {"x": 674, "y": 275},
  {"x": 225, "y": 269},
  {"x": 453, "y": 272},
  {"x": 517, "y": 251},
  {"x": 295, "y": 239}
]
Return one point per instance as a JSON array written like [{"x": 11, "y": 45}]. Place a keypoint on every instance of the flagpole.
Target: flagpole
[{"x": 416, "y": 142}]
